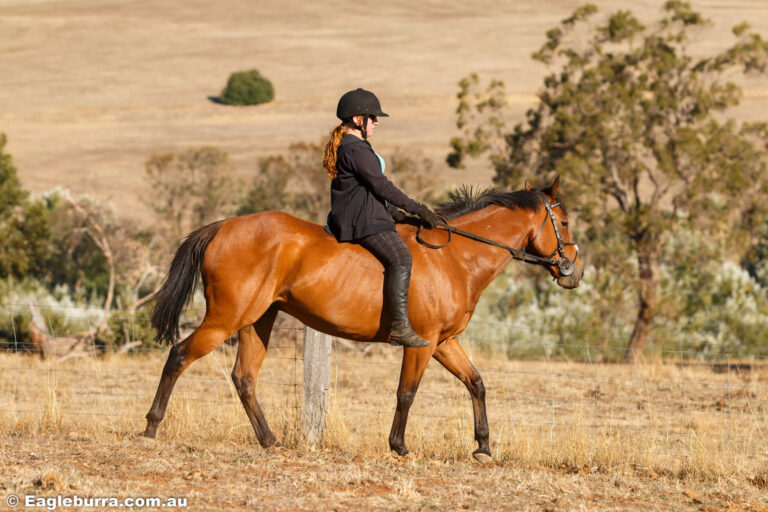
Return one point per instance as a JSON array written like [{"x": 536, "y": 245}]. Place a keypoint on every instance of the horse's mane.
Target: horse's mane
[{"x": 466, "y": 199}]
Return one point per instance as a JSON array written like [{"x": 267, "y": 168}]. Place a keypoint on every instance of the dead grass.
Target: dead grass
[{"x": 564, "y": 435}]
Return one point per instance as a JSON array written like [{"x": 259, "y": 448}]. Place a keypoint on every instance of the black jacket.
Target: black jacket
[{"x": 359, "y": 192}]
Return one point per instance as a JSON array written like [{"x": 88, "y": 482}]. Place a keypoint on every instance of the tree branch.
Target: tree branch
[{"x": 100, "y": 239}]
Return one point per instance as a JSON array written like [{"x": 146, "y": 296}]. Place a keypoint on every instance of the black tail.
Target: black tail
[{"x": 180, "y": 282}]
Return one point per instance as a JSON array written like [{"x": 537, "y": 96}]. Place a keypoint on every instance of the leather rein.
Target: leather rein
[{"x": 564, "y": 265}]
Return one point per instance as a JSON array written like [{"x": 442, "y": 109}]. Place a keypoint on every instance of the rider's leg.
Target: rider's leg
[{"x": 391, "y": 250}]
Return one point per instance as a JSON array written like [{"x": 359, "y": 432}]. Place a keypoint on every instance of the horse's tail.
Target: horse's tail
[{"x": 180, "y": 282}]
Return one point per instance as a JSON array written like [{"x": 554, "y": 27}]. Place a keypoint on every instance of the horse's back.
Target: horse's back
[{"x": 285, "y": 242}]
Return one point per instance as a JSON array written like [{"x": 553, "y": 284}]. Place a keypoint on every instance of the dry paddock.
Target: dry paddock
[{"x": 565, "y": 434}]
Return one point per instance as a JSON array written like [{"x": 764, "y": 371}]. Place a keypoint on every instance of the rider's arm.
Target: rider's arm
[{"x": 363, "y": 161}]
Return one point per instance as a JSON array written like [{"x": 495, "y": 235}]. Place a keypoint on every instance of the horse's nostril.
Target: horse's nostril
[{"x": 565, "y": 267}]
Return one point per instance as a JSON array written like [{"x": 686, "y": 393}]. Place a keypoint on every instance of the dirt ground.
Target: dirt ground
[
  {"x": 565, "y": 435},
  {"x": 227, "y": 477},
  {"x": 90, "y": 89}
]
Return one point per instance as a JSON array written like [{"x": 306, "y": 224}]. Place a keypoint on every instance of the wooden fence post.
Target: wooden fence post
[{"x": 317, "y": 382}]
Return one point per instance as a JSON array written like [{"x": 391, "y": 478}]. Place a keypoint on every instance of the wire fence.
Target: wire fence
[{"x": 559, "y": 400}]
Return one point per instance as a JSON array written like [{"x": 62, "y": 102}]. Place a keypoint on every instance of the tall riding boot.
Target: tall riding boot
[{"x": 396, "y": 294}]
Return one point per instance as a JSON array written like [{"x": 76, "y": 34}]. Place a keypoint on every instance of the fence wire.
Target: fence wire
[{"x": 676, "y": 402}]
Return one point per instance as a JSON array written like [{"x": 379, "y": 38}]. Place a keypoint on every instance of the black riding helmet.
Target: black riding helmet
[{"x": 359, "y": 102}]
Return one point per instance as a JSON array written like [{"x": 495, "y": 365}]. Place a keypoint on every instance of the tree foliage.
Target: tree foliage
[
  {"x": 95, "y": 253},
  {"x": 635, "y": 124},
  {"x": 479, "y": 118},
  {"x": 189, "y": 189},
  {"x": 24, "y": 229},
  {"x": 247, "y": 88}
]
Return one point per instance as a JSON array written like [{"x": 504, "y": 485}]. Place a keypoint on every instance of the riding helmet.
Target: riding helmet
[{"x": 359, "y": 102}]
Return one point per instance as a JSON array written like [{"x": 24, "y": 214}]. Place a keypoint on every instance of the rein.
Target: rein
[{"x": 564, "y": 265}]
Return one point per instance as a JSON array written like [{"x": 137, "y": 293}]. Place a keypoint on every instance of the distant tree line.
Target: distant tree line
[{"x": 55, "y": 247}]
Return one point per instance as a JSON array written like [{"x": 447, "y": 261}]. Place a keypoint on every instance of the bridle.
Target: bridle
[{"x": 564, "y": 265}]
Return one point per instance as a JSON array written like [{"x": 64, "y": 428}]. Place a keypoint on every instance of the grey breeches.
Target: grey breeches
[{"x": 388, "y": 248}]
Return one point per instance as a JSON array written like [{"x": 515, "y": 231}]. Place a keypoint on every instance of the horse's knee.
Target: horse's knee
[
  {"x": 243, "y": 383},
  {"x": 476, "y": 386},
  {"x": 236, "y": 379}
]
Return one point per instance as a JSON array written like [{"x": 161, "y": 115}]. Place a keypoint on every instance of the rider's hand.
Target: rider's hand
[
  {"x": 428, "y": 216},
  {"x": 398, "y": 215}
]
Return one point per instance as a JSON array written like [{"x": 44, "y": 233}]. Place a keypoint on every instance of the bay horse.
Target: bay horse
[{"x": 254, "y": 266}]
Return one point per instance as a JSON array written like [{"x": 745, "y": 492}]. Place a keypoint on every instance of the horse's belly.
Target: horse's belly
[{"x": 345, "y": 304}]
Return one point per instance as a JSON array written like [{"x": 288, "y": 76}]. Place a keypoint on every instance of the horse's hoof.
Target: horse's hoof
[
  {"x": 401, "y": 451},
  {"x": 483, "y": 458},
  {"x": 147, "y": 434},
  {"x": 270, "y": 443}
]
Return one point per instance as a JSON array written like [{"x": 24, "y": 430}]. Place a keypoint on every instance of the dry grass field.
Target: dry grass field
[{"x": 566, "y": 435}]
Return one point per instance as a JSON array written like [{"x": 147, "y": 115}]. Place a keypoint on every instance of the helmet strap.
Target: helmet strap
[{"x": 363, "y": 128}]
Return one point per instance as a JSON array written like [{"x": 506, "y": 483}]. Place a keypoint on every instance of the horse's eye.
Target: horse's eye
[{"x": 564, "y": 223}]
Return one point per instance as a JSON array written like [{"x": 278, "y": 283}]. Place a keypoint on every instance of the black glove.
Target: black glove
[
  {"x": 398, "y": 215},
  {"x": 428, "y": 216}
]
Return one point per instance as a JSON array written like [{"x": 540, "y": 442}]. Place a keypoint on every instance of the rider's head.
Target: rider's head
[
  {"x": 357, "y": 107},
  {"x": 359, "y": 111}
]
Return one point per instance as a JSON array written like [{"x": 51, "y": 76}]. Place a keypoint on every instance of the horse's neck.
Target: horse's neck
[
  {"x": 509, "y": 227},
  {"x": 485, "y": 262}
]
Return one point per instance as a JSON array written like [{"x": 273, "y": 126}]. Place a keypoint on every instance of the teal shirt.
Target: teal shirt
[
  {"x": 383, "y": 167},
  {"x": 381, "y": 161}
]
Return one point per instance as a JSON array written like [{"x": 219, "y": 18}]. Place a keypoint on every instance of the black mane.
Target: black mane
[{"x": 466, "y": 199}]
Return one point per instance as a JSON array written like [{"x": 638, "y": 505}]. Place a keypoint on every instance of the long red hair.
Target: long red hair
[{"x": 329, "y": 158}]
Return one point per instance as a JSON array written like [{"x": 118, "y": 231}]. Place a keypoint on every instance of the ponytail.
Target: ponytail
[{"x": 329, "y": 158}]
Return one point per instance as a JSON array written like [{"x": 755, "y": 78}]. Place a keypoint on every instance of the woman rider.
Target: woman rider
[{"x": 363, "y": 204}]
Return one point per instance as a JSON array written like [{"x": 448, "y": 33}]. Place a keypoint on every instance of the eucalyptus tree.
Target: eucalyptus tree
[{"x": 634, "y": 118}]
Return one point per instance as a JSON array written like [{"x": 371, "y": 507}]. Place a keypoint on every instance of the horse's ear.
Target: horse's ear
[
  {"x": 554, "y": 187},
  {"x": 527, "y": 185}
]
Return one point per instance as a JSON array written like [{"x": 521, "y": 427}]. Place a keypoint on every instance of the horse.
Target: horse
[{"x": 254, "y": 266}]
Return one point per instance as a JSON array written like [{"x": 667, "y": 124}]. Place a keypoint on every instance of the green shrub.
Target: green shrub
[{"x": 247, "y": 88}]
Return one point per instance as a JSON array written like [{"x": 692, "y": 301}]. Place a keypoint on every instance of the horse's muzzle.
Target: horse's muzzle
[{"x": 572, "y": 280}]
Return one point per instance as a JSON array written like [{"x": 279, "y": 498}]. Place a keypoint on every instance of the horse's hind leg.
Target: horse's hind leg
[
  {"x": 254, "y": 340},
  {"x": 455, "y": 360},
  {"x": 414, "y": 363},
  {"x": 196, "y": 345}
]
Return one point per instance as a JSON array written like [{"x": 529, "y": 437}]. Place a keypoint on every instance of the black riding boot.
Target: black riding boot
[{"x": 396, "y": 294}]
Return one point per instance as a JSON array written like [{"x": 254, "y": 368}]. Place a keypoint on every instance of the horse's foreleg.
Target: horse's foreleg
[
  {"x": 195, "y": 346},
  {"x": 414, "y": 363},
  {"x": 251, "y": 350},
  {"x": 455, "y": 360}
]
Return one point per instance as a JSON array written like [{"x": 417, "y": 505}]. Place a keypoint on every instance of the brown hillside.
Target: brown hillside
[{"x": 90, "y": 89}]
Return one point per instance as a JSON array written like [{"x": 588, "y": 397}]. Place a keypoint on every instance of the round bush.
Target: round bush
[{"x": 247, "y": 88}]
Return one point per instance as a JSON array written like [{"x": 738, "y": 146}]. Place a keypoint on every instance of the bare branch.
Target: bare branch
[{"x": 99, "y": 238}]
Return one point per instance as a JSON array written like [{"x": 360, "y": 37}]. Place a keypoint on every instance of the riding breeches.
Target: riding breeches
[{"x": 388, "y": 248}]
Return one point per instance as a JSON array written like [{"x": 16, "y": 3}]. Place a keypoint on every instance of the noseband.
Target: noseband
[{"x": 564, "y": 265}]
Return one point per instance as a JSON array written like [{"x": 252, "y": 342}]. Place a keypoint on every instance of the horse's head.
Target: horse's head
[{"x": 552, "y": 239}]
